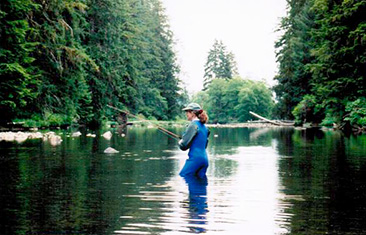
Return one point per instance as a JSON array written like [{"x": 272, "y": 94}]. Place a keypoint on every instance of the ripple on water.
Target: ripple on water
[{"x": 238, "y": 203}]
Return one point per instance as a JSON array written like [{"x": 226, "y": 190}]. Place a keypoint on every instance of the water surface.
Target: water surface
[{"x": 260, "y": 181}]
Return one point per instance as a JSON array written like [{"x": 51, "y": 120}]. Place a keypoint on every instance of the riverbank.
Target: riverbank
[
  {"x": 33, "y": 126},
  {"x": 52, "y": 137},
  {"x": 147, "y": 124},
  {"x": 246, "y": 125},
  {"x": 19, "y": 133},
  {"x": 20, "y": 137}
]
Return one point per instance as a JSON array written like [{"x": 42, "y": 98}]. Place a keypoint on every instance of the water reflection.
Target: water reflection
[
  {"x": 197, "y": 208},
  {"x": 260, "y": 181},
  {"x": 247, "y": 202}
]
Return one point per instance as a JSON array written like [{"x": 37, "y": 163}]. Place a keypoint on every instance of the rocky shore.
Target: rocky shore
[
  {"x": 20, "y": 137},
  {"x": 50, "y": 136}
]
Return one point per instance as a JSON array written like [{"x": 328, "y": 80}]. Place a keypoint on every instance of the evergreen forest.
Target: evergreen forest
[
  {"x": 64, "y": 61},
  {"x": 322, "y": 63}
]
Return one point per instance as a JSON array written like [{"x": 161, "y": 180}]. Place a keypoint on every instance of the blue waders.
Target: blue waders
[{"x": 195, "y": 138}]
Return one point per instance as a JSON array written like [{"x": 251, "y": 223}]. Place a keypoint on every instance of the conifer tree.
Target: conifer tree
[
  {"x": 19, "y": 76},
  {"x": 220, "y": 64},
  {"x": 64, "y": 60},
  {"x": 321, "y": 55},
  {"x": 160, "y": 86},
  {"x": 111, "y": 42},
  {"x": 293, "y": 55},
  {"x": 339, "y": 73},
  {"x": 61, "y": 29}
]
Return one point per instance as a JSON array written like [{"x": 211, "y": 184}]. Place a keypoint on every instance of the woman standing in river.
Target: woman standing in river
[{"x": 195, "y": 138}]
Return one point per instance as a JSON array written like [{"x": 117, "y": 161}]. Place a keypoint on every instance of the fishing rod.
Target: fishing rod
[{"x": 163, "y": 130}]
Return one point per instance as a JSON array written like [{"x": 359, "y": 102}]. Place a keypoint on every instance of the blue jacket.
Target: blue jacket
[{"x": 195, "y": 138}]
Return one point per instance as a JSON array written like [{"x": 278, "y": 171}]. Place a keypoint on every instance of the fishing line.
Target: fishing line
[{"x": 163, "y": 130}]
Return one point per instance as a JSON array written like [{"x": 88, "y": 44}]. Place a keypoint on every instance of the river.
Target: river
[{"x": 260, "y": 181}]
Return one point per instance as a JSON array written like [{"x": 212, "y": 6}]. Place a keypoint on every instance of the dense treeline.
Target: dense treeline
[
  {"x": 230, "y": 100},
  {"x": 226, "y": 96},
  {"x": 63, "y": 61},
  {"x": 322, "y": 55}
]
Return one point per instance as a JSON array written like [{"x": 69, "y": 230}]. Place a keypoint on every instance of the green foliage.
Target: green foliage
[
  {"x": 216, "y": 103},
  {"x": 307, "y": 110},
  {"x": 231, "y": 100},
  {"x": 293, "y": 54},
  {"x": 19, "y": 77},
  {"x": 72, "y": 58},
  {"x": 357, "y": 112},
  {"x": 48, "y": 119},
  {"x": 137, "y": 63},
  {"x": 329, "y": 120},
  {"x": 322, "y": 54},
  {"x": 220, "y": 64},
  {"x": 255, "y": 97}
]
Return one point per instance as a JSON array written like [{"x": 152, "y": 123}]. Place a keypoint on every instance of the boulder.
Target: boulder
[
  {"x": 76, "y": 134},
  {"x": 107, "y": 135},
  {"x": 52, "y": 138},
  {"x": 110, "y": 150},
  {"x": 20, "y": 137},
  {"x": 55, "y": 140}
]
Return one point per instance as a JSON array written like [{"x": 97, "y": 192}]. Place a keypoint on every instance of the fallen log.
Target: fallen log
[{"x": 278, "y": 123}]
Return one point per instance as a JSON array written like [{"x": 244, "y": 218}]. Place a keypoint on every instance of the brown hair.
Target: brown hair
[{"x": 201, "y": 115}]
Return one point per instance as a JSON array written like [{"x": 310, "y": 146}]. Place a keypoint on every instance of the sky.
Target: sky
[{"x": 246, "y": 27}]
